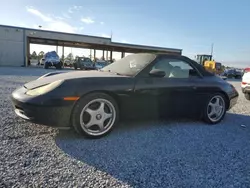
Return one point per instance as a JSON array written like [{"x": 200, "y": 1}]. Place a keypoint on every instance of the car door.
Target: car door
[{"x": 173, "y": 94}]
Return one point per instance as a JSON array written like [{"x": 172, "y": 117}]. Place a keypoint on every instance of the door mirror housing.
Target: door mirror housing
[{"x": 157, "y": 73}]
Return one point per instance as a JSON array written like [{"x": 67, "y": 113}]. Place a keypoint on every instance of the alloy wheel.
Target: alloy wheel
[
  {"x": 98, "y": 117},
  {"x": 216, "y": 108}
]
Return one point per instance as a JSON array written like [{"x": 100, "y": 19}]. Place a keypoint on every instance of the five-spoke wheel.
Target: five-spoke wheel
[
  {"x": 95, "y": 115},
  {"x": 215, "y": 109}
]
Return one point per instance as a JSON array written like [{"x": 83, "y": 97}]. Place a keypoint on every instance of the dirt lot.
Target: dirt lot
[{"x": 143, "y": 154}]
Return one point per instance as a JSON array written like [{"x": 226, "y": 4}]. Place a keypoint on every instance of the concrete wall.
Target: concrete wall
[{"x": 11, "y": 47}]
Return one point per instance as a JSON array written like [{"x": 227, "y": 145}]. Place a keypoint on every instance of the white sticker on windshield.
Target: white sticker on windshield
[{"x": 132, "y": 64}]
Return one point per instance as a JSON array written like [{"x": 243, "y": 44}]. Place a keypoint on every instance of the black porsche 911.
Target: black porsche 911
[{"x": 137, "y": 86}]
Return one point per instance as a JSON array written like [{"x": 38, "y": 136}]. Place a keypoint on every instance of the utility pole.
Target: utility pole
[
  {"x": 212, "y": 49},
  {"x": 111, "y": 35}
]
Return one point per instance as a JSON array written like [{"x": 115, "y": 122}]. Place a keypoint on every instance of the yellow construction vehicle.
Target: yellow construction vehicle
[{"x": 209, "y": 64}]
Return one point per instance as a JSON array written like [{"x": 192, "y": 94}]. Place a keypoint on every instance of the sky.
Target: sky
[{"x": 191, "y": 25}]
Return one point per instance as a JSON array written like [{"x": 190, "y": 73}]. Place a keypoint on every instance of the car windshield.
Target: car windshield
[
  {"x": 131, "y": 64},
  {"x": 52, "y": 55},
  {"x": 218, "y": 65}
]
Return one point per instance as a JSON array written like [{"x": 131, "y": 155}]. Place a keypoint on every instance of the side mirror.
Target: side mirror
[{"x": 157, "y": 73}]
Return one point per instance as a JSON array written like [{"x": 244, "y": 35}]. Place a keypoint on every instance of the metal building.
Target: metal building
[{"x": 15, "y": 44}]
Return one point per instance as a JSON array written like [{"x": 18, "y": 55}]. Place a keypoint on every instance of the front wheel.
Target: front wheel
[
  {"x": 247, "y": 96},
  {"x": 58, "y": 66},
  {"x": 95, "y": 115},
  {"x": 215, "y": 109}
]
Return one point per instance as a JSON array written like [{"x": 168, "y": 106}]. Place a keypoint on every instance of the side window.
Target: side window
[{"x": 175, "y": 68}]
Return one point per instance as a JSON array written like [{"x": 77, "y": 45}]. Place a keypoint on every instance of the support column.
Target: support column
[
  {"x": 94, "y": 54},
  {"x": 111, "y": 55},
  {"x": 103, "y": 53},
  {"x": 107, "y": 55},
  {"x": 90, "y": 53},
  {"x": 57, "y": 49},
  {"x": 63, "y": 55},
  {"x": 28, "y": 63},
  {"x": 123, "y": 54}
]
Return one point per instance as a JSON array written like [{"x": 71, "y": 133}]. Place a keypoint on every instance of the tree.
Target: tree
[
  {"x": 70, "y": 56},
  {"x": 40, "y": 55},
  {"x": 34, "y": 55}
]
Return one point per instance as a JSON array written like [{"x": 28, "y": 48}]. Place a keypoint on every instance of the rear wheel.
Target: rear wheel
[
  {"x": 215, "y": 109},
  {"x": 46, "y": 66},
  {"x": 75, "y": 66},
  {"x": 95, "y": 115},
  {"x": 247, "y": 96}
]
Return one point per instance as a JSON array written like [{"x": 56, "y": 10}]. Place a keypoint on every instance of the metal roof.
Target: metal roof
[{"x": 111, "y": 44}]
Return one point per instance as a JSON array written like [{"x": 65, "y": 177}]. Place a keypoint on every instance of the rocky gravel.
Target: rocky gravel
[{"x": 177, "y": 153}]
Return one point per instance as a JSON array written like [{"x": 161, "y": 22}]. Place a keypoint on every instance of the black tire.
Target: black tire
[
  {"x": 58, "y": 66},
  {"x": 46, "y": 66},
  {"x": 82, "y": 103},
  {"x": 75, "y": 66},
  {"x": 205, "y": 115},
  {"x": 247, "y": 96}
]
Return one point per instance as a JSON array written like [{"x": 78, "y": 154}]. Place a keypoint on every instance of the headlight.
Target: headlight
[{"x": 44, "y": 89}]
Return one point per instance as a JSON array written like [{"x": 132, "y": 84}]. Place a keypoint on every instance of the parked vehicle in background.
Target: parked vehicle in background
[
  {"x": 229, "y": 73},
  {"x": 68, "y": 63},
  {"x": 84, "y": 63},
  {"x": 41, "y": 61},
  {"x": 245, "y": 84},
  {"x": 214, "y": 67},
  {"x": 233, "y": 73},
  {"x": 238, "y": 74},
  {"x": 99, "y": 64},
  {"x": 52, "y": 59},
  {"x": 210, "y": 64}
]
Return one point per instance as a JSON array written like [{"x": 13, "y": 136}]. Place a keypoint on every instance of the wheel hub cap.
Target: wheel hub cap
[{"x": 98, "y": 116}]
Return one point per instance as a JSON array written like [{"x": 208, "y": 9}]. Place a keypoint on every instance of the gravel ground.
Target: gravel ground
[{"x": 144, "y": 154}]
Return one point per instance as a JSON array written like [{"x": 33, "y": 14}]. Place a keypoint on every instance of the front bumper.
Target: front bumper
[
  {"x": 90, "y": 68},
  {"x": 52, "y": 63},
  {"x": 42, "y": 110}
]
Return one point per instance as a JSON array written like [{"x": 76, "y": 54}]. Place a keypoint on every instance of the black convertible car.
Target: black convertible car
[{"x": 137, "y": 86}]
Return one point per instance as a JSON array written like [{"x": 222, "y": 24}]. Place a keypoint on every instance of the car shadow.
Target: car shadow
[{"x": 175, "y": 153}]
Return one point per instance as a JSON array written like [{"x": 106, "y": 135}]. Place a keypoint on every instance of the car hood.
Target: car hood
[{"x": 67, "y": 76}]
